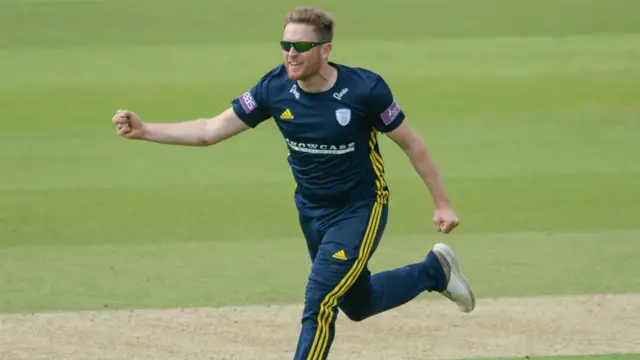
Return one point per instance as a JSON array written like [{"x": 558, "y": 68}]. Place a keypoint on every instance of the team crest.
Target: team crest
[{"x": 343, "y": 116}]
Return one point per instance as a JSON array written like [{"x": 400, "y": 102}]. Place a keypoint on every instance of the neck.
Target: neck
[{"x": 322, "y": 81}]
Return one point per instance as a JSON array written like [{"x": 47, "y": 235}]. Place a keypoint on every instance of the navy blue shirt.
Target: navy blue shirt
[{"x": 332, "y": 136}]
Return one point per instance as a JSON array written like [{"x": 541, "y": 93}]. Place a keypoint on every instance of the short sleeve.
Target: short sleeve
[
  {"x": 252, "y": 106},
  {"x": 383, "y": 107}
]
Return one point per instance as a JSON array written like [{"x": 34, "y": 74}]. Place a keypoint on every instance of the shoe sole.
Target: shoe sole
[{"x": 449, "y": 257}]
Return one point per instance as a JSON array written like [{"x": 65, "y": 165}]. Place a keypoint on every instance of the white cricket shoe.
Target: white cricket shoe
[{"x": 458, "y": 288}]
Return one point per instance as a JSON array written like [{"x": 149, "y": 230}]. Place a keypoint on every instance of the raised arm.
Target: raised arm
[{"x": 199, "y": 132}]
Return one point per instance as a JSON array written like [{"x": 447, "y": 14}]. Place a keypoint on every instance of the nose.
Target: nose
[{"x": 292, "y": 51}]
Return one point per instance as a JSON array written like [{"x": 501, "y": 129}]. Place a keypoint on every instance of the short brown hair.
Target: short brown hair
[{"x": 320, "y": 19}]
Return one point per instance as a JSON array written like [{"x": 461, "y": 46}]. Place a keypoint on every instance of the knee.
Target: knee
[
  {"x": 316, "y": 300},
  {"x": 356, "y": 317},
  {"x": 353, "y": 313}
]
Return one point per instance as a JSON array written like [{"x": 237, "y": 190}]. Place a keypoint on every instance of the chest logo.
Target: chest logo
[
  {"x": 294, "y": 91},
  {"x": 286, "y": 115},
  {"x": 340, "y": 94},
  {"x": 343, "y": 116}
]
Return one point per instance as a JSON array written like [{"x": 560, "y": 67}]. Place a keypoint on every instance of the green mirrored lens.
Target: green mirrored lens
[
  {"x": 302, "y": 46},
  {"x": 285, "y": 45},
  {"x": 299, "y": 46}
]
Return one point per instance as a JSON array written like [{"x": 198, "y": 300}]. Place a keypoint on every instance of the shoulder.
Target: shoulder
[
  {"x": 376, "y": 96},
  {"x": 361, "y": 76},
  {"x": 371, "y": 86},
  {"x": 274, "y": 81},
  {"x": 274, "y": 77},
  {"x": 254, "y": 105}
]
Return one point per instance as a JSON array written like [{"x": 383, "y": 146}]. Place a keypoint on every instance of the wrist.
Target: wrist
[
  {"x": 144, "y": 133},
  {"x": 441, "y": 201},
  {"x": 439, "y": 195}
]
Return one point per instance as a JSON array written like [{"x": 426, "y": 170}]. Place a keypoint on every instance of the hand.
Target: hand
[
  {"x": 445, "y": 219},
  {"x": 128, "y": 124}
]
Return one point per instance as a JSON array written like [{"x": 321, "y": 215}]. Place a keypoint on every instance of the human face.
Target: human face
[{"x": 302, "y": 65}]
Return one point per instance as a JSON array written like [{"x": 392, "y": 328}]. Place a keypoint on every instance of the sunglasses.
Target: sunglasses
[{"x": 299, "y": 46}]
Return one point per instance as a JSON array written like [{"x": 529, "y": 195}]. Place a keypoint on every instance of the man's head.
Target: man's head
[{"x": 306, "y": 44}]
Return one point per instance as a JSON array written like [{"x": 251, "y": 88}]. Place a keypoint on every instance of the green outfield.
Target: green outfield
[{"x": 531, "y": 109}]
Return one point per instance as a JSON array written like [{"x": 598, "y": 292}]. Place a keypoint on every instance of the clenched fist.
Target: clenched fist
[
  {"x": 445, "y": 219},
  {"x": 128, "y": 124}
]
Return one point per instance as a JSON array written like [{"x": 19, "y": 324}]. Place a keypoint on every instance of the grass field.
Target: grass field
[{"x": 531, "y": 108}]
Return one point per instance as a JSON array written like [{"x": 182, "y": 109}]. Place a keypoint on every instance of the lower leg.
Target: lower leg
[
  {"x": 328, "y": 282},
  {"x": 317, "y": 333},
  {"x": 389, "y": 289}
]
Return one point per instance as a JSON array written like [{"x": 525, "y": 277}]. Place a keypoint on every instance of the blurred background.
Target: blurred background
[{"x": 531, "y": 109}]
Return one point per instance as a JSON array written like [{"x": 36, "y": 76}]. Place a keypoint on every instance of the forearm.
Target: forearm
[
  {"x": 188, "y": 133},
  {"x": 424, "y": 164}
]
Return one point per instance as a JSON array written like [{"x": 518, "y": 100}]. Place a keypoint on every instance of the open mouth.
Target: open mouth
[{"x": 294, "y": 65}]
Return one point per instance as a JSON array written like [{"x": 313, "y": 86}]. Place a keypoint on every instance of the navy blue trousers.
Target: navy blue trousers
[{"x": 341, "y": 241}]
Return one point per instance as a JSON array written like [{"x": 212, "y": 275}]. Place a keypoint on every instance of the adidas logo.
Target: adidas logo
[
  {"x": 286, "y": 115},
  {"x": 340, "y": 255}
]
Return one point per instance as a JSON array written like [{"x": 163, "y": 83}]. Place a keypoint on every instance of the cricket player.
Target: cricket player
[{"x": 330, "y": 116}]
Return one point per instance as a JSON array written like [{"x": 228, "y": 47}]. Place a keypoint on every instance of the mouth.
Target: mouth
[{"x": 294, "y": 65}]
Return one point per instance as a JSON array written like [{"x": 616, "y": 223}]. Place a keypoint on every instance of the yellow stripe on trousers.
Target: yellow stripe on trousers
[{"x": 325, "y": 316}]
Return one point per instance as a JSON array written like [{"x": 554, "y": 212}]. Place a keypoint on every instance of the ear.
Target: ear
[{"x": 326, "y": 50}]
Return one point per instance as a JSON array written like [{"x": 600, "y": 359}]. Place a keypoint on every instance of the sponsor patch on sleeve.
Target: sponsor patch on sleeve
[
  {"x": 391, "y": 113},
  {"x": 247, "y": 102}
]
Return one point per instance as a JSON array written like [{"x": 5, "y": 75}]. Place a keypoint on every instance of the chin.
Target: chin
[
  {"x": 293, "y": 76},
  {"x": 296, "y": 75},
  {"x": 302, "y": 73}
]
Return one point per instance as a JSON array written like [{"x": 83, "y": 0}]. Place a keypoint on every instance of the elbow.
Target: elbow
[
  {"x": 208, "y": 136},
  {"x": 206, "y": 141},
  {"x": 211, "y": 134},
  {"x": 410, "y": 147},
  {"x": 417, "y": 151}
]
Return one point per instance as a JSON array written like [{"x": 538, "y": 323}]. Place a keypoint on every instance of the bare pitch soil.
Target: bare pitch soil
[{"x": 419, "y": 330}]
